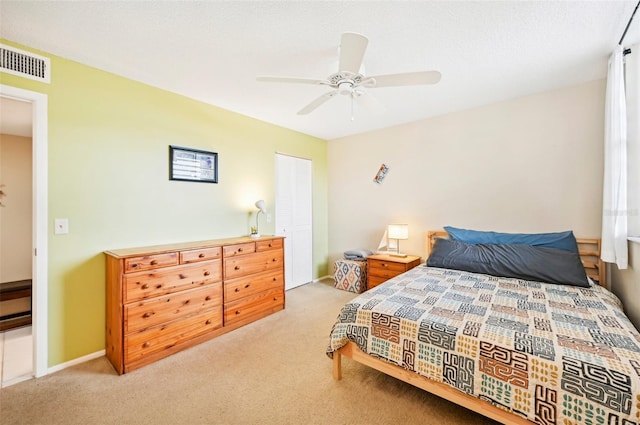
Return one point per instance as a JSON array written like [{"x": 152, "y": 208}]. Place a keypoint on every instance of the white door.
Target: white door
[{"x": 294, "y": 217}]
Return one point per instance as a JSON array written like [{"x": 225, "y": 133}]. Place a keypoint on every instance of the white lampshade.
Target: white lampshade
[
  {"x": 398, "y": 231},
  {"x": 261, "y": 206}
]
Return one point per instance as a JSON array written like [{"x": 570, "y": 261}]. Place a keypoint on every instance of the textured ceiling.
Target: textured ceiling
[{"x": 213, "y": 51}]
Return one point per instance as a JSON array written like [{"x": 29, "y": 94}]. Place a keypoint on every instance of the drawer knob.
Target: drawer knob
[
  {"x": 133, "y": 266},
  {"x": 239, "y": 249},
  {"x": 208, "y": 322},
  {"x": 274, "y": 260},
  {"x": 247, "y": 285},
  {"x": 207, "y": 298},
  {"x": 270, "y": 246},
  {"x": 237, "y": 311},
  {"x": 274, "y": 279},
  {"x": 145, "y": 286},
  {"x": 237, "y": 289},
  {"x": 146, "y": 345},
  {"x": 275, "y": 298},
  {"x": 236, "y": 268},
  {"x": 207, "y": 273},
  {"x": 158, "y": 286},
  {"x": 153, "y": 262},
  {"x": 181, "y": 276},
  {"x": 148, "y": 314},
  {"x": 201, "y": 255}
]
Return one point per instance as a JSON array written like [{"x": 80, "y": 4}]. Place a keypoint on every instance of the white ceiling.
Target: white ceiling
[{"x": 212, "y": 51}]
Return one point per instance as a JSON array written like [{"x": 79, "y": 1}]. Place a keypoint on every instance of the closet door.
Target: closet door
[{"x": 294, "y": 217}]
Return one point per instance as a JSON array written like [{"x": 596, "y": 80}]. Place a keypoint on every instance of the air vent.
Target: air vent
[{"x": 24, "y": 64}]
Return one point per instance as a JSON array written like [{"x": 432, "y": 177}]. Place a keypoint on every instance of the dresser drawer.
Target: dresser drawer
[
  {"x": 252, "y": 305},
  {"x": 138, "y": 286},
  {"x": 254, "y": 263},
  {"x": 165, "y": 336},
  {"x": 145, "y": 314},
  {"x": 239, "y": 249},
  {"x": 268, "y": 245},
  {"x": 148, "y": 262},
  {"x": 204, "y": 254},
  {"x": 245, "y": 286}
]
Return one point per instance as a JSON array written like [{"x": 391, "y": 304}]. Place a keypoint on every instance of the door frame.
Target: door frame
[{"x": 39, "y": 314}]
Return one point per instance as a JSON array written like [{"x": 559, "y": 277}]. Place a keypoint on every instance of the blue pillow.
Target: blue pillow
[
  {"x": 559, "y": 240},
  {"x": 528, "y": 262}
]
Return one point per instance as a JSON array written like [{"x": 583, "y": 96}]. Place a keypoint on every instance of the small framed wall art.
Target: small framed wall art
[{"x": 193, "y": 165}]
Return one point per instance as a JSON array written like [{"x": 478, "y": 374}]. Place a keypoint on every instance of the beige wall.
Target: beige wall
[
  {"x": 525, "y": 165},
  {"x": 626, "y": 284},
  {"x": 15, "y": 217}
]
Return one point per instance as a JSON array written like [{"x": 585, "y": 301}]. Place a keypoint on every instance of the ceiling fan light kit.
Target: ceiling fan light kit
[{"x": 349, "y": 81}]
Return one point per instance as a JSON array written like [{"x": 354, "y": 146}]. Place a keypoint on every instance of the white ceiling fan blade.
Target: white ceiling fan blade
[
  {"x": 291, "y": 80},
  {"x": 352, "y": 49},
  {"x": 406, "y": 79},
  {"x": 317, "y": 102}
]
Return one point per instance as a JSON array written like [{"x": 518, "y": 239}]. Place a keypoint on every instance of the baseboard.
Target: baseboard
[
  {"x": 329, "y": 276},
  {"x": 77, "y": 361},
  {"x": 16, "y": 380}
]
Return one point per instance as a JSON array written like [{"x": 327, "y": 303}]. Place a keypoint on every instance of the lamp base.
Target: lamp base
[
  {"x": 255, "y": 235},
  {"x": 398, "y": 254}
]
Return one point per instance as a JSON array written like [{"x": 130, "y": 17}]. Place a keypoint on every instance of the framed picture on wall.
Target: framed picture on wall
[{"x": 193, "y": 165}]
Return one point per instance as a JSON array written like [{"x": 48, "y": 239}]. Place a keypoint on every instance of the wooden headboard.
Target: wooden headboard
[{"x": 589, "y": 250}]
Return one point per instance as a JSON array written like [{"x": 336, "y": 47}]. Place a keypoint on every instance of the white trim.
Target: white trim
[
  {"x": 634, "y": 239},
  {"x": 16, "y": 380},
  {"x": 40, "y": 219},
  {"x": 79, "y": 360}
]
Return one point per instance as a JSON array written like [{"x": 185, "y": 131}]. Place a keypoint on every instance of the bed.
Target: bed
[{"x": 516, "y": 350}]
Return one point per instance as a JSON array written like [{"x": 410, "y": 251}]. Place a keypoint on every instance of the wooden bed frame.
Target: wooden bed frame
[{"x": 589, "y": 250}]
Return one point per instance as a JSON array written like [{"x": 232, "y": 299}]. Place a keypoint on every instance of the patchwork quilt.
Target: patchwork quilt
[{"x": 550, "y": 353}]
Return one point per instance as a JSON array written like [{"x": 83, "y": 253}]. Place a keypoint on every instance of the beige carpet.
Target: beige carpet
[{"x": 270, "y": 372}]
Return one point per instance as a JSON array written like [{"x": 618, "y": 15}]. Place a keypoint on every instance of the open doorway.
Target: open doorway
[
  {"x": 23, "y": 232},
  {"x": 16, "y": 236}
]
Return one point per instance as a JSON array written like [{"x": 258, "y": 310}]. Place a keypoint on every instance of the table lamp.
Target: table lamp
[
  {"x": 398, "y": 232},
  {"x": 261, "y": 209}
]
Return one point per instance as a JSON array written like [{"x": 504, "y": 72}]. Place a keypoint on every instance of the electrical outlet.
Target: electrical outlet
[
  {"x": 268, "y": 217},
  {"x": 61, "y": 226}
]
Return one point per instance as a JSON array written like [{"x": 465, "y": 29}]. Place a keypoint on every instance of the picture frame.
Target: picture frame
[{"x": 195, "y": 165}]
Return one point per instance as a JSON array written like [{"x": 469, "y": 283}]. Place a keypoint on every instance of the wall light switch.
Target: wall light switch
[
  {"x": 61, "y": 226},
  {"x": 268, "y": 217}
]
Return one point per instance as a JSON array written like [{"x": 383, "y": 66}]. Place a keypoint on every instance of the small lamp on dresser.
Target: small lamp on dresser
[
  {"x": 398, "y": 232},
  {"x": 255, "y": 233}
]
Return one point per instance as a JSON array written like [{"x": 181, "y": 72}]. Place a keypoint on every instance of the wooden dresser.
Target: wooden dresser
[
  {"x": 382, "y": 267},
  {"x": 166, "y": 298}
]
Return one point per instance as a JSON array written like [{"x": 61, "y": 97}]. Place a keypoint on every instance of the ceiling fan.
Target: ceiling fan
[{"x": 349, "y": 81}]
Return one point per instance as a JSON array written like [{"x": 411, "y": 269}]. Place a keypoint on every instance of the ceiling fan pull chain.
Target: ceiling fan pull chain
[{"x": 352, "y": 118}]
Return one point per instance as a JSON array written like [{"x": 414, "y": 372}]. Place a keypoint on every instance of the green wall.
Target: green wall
[{"x": 108, "y": 174}]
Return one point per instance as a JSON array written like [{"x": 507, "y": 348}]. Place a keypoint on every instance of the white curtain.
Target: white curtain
[
  {"x": 632, "y": 85},
  {"x": 614, "y": 206}
]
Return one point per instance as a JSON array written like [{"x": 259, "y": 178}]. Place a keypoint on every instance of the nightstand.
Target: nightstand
[{"x": 382, "y": 267}]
